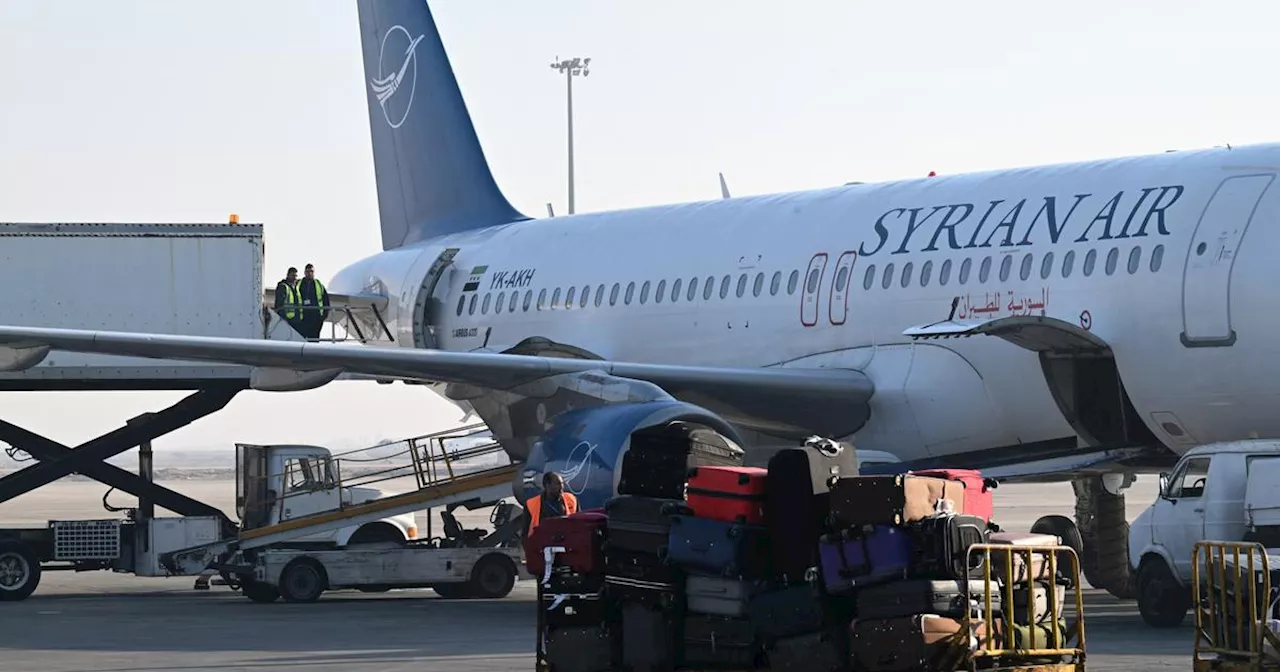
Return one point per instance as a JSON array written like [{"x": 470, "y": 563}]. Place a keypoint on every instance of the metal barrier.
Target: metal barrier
[
  {"x": 998, "y": 643},
  {"x": 1232, "y": 596}
]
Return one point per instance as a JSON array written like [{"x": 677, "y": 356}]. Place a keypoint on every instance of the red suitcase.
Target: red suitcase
[
  {"x": 581, "y": 535},
  {"x": 977, "y": 490},
  {"x": 731, "y": 494}
]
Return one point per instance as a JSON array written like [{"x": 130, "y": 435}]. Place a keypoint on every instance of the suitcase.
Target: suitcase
[
  {"x": 978, "y": 499},
  {"x": 822, "y": 651},
  {"x": 658, "y": 460},
  {"x": 641, "y": 524},
  {"x": 718, "y": 641},
  {"x": 797, "y": 502},
  {"x": 581, "y": 649},
  {"x": 637, "y": 577},
  {"x": 922, "y": 596},
  {"x": 1021, "y": 572},
  {"x": 860, "y": 557},
  {"x": 1039, "y": 603},
  {"x": 910, "y": 644},
  {"x": 581, "y": 535},
  {"x": 650, "y": 638},
  {"x": 1039, "y": 636},
  {"x": 788, "y": 612},
  {"x": 892, "y": 500},
  {"x": 732, "y": 494},
  {"x": 717, "y": 595},
  {"x": 941, "y": 546},
  {"x": 574, "y": 610},
  {"x": 565, "y": 581},
  {"x": 723, "y": 548}
]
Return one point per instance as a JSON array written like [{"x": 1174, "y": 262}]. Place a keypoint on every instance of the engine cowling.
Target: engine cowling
[{"x": 586, "y": 446}]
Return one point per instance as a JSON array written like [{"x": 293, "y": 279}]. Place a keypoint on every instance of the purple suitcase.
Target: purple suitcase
[{"x": 864, "y": 556}]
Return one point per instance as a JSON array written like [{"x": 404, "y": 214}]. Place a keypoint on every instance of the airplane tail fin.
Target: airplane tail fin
[{"x": 432, "y": 175}]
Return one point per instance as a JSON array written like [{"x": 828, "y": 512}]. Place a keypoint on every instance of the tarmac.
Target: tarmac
[{"x": 97, "y": 622}]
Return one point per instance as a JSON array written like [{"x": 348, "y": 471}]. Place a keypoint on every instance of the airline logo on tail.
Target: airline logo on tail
[{"x": 387, "y": 84}]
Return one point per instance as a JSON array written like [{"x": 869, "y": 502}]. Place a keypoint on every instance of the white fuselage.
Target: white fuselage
[{"x": 1124, "y": 248}]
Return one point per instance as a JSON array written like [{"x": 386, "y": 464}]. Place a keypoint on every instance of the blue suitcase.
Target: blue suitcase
[
  {"x": 715, "y": 546},
  {"x": 864, "y": 556}
]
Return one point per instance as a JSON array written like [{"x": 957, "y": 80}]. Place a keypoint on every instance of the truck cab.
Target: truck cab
[
  {"x": 1209, "y": 495},
  {"x": 282, "y": 482}
]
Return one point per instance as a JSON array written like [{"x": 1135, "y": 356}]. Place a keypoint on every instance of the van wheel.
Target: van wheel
[
  {"x": 452, "y": 591},
  {"x": 303, "y": 580},
  {"x": 1162, "y": 601},
  {"x": 493, "y": 577},
  {"x": 19, "y": 571},
  {"x": 262, "y": 593}
]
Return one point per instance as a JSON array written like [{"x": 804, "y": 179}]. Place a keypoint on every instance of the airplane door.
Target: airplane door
[
  {"x": 1206, "y": 277},
  {"x": 812, "y": 290},
  {"x": 838, "y": 306}
]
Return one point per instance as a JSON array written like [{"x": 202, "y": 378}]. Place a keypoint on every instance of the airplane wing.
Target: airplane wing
[{"x": 828, "y": 400}]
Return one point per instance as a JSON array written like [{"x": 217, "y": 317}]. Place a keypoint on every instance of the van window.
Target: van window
[{"x": 1189, "y": 480}]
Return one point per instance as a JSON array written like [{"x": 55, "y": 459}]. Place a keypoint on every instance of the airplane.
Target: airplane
[{"x": 1041, "y": 323}]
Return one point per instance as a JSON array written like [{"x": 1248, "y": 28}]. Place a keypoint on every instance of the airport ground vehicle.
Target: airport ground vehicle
[
  {"x": 1224, "y": 492},
  {"x": 1235, "y": 607}
]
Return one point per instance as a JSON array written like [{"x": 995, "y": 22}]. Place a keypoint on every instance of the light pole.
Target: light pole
[{"x": 571, "y": 67}]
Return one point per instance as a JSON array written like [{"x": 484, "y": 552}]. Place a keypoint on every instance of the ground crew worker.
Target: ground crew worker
[
  {"x": 288, "y": 300},
  {"x": 316, "y": 301},
  {"x": 554, "y": 502}
]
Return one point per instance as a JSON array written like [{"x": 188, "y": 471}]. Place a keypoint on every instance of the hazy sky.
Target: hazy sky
[{"x": 163, "y": 110}]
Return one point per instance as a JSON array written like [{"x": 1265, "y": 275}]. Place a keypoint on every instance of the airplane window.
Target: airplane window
[
  {"x": 944, "y": 273},
  {"x": 724, "y": 286},
  {"x": 776, "y": 283},
  {"x": 631, "y": 291},
  {"x": 1005, "y": 266},
  {"x": 888, "y": 276},
  {"x": 555, "y": 299},
  {"x": 906, "y": 274},
  {"x": 742, "y": 285},
  {"x": 613, "y": 295},
  {"x": 708, "y": 287},
  {"x": 511, "y": 307},
  {"x": 759, "y": 285},
  {"x": 484, "y": 308},
  {"x": 502, "y": 300},
  {"x": 1112, "y": 257},
  {"x": 693, "y": 289},
  {"x": 675, "y": 290},
  {"x": 661, "y": 292},
  {"x": 586, "y": 294},
  {"x": 1068, "y": 260},
  {"x": 528, "y": 299},
  {"x": 462, "y": 303},
  {"x": 792, "y": 282},
  {"x": 471, "y": 306},
  {"x": 964, "y": 270},
  {"x": 925, "y": 272},
  {"x": 542, "y": 298},
  {"x": 599, "y": 295},
  {"x": 1090, "y": 259},
  {"x": 644, "y": 292},
  {"x": 842, "y": 277},
  {"x": 1135, "y": 259},
  {"x": 1025, "y": 271},
  {"x": 1046, "y": 266},
  {"x": 870, "y": 277},
  {"x": 984, "y": 271},
  {"x": 568, "y": 298},
  {"x": 811, "y": 284},
  {"x": 1157, "y": 256}
]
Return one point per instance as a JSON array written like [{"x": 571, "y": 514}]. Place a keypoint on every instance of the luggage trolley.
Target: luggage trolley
[
  {"x": 1049, "y": 641},
  {"x": 1234, "y": 597}
]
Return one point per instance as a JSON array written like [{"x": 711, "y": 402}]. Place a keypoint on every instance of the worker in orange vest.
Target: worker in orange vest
[{"x": 554, "y": 502}]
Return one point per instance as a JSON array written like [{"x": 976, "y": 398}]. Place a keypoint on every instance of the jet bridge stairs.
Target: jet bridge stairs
[{"x": 437, "y": 471}]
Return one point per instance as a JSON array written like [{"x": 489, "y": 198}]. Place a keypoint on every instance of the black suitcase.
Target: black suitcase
[
  {"x": 941, "y": 546},
  {"x": 581, "y": 649},
  {"x": 826, "y": 650},
  {"x": 720, "y": 641},
  {"x": 658, "y": 460},
  {"x": 637, "y": 577},
  {"x": 563, "y": 580},
  {"x": 922, "y": 596},
  {"x": 788, "y": 611},
  {"x": 571, "y": 610},
  {"x": 797, "y": 501},
  {"x": 641, "y": 524},
  {"x": 650, "y": 638}
]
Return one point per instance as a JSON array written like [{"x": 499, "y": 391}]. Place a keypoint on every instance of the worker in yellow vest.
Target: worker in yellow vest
[
  {"x": 289, "y": 300},
  {"x": 315, "y": 303},
  {"x": 554, "y": 502}
]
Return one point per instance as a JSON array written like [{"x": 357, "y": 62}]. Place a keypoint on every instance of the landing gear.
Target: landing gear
[{"x": 1104, "y": 533}]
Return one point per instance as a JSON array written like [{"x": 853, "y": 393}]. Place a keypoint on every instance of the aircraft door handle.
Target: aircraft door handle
[{"x": 1198, "y": 510}]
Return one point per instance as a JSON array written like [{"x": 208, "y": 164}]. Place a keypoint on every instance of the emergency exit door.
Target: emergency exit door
[{"x": 1206, "y": 278}]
